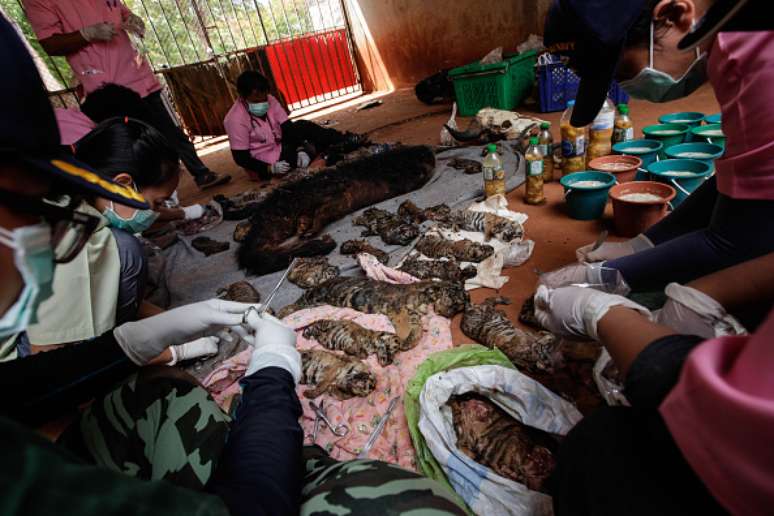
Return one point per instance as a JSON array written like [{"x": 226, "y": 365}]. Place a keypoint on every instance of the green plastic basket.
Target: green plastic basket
[{"x": 500, "y": 85}]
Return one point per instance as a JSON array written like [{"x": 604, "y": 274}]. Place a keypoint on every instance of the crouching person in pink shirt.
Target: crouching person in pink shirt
[
  {"x": 265, "y": 142},
  {"x": 697, "y": 438}
]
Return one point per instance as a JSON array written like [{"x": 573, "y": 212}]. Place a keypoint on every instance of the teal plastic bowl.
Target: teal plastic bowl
[
  {"x": 676, "y": 133},
  {"x": 669, "y": 171},
  {"x": 586, "y": 202},
  {"x": 706, "y": 152},
  {"x": 646, "y": 150},
  {"x": 702, "y": 134},
  {"x": 714, "y": 118},
  {"x": 691, "y": 118}
]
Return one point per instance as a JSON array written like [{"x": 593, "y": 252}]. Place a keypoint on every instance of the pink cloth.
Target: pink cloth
[
  {"x": 100, "y": 62},
  {"x": 263, "y": 138},
  {"x": 374, "y": 269},
  {"x": 741, "y": 70},
  {"x": 721, "y": 414},
  {"x": 73, "y": 125}
]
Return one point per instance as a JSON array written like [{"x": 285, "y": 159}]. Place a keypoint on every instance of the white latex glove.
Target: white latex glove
[
  {"x": 196, "y": 348},
  {"x": 274, "y": 345},
  {"x": 576, "y": 311},
  {"x": 613, "y": 250},
  {"x": 586, "y": 275},
  {"x": 146, "y": 339},
  {"x": 303, "y": 160},
  {"x": 279, "y": 168},
  {"x": 98, "y": 32},
  {"x": 134, "y": 24},
  {"x": 194, "y": 211},
  {"x": 692, "y": 312}
]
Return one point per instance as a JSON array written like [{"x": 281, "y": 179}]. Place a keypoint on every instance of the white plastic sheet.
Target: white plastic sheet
[{"x": 485, "y": 492}]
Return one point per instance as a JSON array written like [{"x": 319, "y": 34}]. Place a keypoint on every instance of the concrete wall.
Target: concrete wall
[{"x": 415, "y": 38}]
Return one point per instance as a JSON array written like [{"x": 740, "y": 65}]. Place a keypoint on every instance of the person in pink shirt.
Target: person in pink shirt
[
  {"x": 719, "y": 225},
  {"x": 93, "y": 35},
  {"x": 265, "y": 142},
  {"x": 73, "y": 125}
]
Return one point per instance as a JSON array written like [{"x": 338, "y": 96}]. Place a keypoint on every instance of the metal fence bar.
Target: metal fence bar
[
  {"x": 306, "y": 63},
  {"x": 315, "y": 68},
  {"x": 188, "y": 32},
  {"x": 171, "y": 31},
  {"x": 342, "y": 68},
  {"x": 307, "y": 96},
  {"x": 284, "y": 51}
]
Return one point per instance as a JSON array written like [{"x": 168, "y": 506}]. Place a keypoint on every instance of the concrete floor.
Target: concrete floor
[{"x": 403, "y": 118}]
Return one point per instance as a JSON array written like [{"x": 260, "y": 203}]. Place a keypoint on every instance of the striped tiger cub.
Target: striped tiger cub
[
  {"x": 489, "y": 224},
  {"x": 353, "y": 339}
]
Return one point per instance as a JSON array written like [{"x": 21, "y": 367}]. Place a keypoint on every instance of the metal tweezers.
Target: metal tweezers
[
  {"x": 339, "y": 431},
  {"x": 265, "y": 306}
]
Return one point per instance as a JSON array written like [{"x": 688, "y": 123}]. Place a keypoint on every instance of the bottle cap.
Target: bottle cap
[
  {"x": 570, "y": 103},
  {"x": 491, "y": 147},
  {"x": 623, "y": 108},
  {"x": 545, "y": 125},
  {"x": 533, "y": 140}
]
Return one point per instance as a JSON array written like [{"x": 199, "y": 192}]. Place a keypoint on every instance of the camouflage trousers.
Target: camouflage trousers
[
  {"x": 368, "y": 487},
  {"x": 158, "y": 424}
]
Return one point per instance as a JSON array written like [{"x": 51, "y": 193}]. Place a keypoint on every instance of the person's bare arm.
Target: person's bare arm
[
  {"x": 147, "y": 309},
  {"x": 626, "y": 332},
  {"x": 64, "y": 44},
  {"x": 168, "y": 214},
  {"x": 747, "y": 284}
]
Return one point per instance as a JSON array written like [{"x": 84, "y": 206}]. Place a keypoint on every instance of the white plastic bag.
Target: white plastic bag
[
  {"x": 524, "y": 399},
  {"x": 447, "y": 140},
  {"x": 610, "y": 390}
]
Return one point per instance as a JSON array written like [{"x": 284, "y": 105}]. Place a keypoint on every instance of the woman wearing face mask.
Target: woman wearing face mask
[
  {"x": 264, "y": 142},
  {"x": 104, "y": 285},
  {"x": 724, "y": 222}
]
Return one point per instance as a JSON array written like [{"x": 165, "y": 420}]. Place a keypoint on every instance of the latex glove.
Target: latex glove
[
  {"x": 134, "y": 24},
  {"x": 194, "y": 211},
  {"x": 595, "y": 276},
  {"x": 303, "y": 160},
  {"x": 146, "y": 339},
  {"x": 576, "y": 311},
  {"x": 274, "y": 345},
  {"x": 613, "y": 250},
  {"x": 279, "y": 168},
  {"x": 98, "y": 32},
  {"x": 196, "y": 348},
  {"x": 692, "y": 312}
]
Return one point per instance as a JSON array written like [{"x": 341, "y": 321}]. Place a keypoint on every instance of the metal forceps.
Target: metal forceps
[
  {"x": 265, "y": 305},
  {"x": 339, "y": 431}
]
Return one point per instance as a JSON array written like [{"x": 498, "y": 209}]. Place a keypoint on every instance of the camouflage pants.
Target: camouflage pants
[
  {"x": 368, "y": 487},
  {"x": 158, "y": 424}
]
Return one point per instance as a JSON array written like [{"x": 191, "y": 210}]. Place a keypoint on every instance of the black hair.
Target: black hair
[
  {"x": 639, "y": 34},
  {"x": 112, "y": 100},
  {"x": 251, "y": 81},
  {"x": 124, "y": 145}
]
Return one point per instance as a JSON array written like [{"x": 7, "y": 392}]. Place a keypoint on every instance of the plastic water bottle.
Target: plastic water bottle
[
  {"x": 624, "y": 127},
  {"x": 546, "y": 146},
  {"x": 573, "y": 143},
  {"x": 601, "y": 132},
  {"x": 494, "y": 174},
  {"x": 534, "y": 187}
]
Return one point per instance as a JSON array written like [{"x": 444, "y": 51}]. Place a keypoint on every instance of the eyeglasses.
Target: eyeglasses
[{"x": 70, "y": 229}]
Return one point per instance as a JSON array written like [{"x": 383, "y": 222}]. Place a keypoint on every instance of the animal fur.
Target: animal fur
[
  {"x": 448, "y": 270},
  {"x": 288, "y": 222},
  {"x": 388, "y": 226},
  {"x": 410, "y": 212},
  {"x": 491, "y": 327},
  {"x": 404, "y": 305},
  {"x": 312, "y": 272},
  {"x": 240, "y": 206},
  {"x": 489, "y": 224},
  {"x": 468, "y": 166},
  {"x": 362, "y": 246},
  {"x": 464, "y": 250},
  {"x": 340, "y": 376},
  {"x": 242, "y": 230},
  {"x": 354, "y": 340},
  {"x": 491, "y": 437},
  {"x": 241, "y": 291},
  {"x": 209, "y": 246}
]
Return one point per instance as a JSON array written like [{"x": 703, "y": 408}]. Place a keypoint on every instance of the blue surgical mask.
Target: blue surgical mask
[
  {"x": 34, "y": 259},
  {"x": 657, "y": 86},
  {"x": 137, "y": 223},
  {"x": 258, "y": 108}
]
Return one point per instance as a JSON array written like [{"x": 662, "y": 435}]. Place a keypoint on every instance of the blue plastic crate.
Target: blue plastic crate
[{"x": 559, "y": 84}]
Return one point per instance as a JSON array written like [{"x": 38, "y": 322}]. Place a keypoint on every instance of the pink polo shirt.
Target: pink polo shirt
[
  {"x": 721, "y": 414},
  {"x": 263, "y": 138},
  {"x": 73, "y": 125},
  {"x": 99, "y": 62},
  {"x": 741, "y": 70}
]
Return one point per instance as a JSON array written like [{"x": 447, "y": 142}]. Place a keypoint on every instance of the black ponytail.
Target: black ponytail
[{"x": 125, "y": 145}]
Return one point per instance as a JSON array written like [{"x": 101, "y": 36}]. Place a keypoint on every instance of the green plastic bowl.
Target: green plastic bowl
[
  {"x": 652, "y": 132},
  {"x": 586, "y": 202},
  {"x": 697, "y": 134},
  {"x": 647, "y": 156},
  {"x": 710, "y": 152},
  {"x": 691, "y": 118},
  {"x": 715, "y": 118},
  {"x": 663, "y": 172}
]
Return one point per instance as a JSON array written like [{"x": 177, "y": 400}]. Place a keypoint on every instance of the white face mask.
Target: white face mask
[{"x": 657, "y": 86}]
